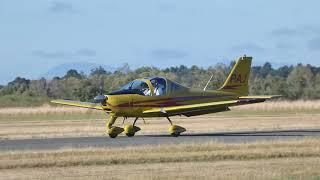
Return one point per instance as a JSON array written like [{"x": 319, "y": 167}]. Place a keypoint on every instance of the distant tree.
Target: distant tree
[
  {"x": 255, "y": 71},
  {"x": 219, "y": 73},
  {"x": 56, "y": 78},
  {"x": 56, "y": 88},
  {"x": 17, "y": 86},
  {"x": 38, "y": 88},
  {"x": 283, "y": 71},
  {"x": 98, "y": 71},
  {"x": 300, "y": 82},
  {"x": 18, "y": 81},
  {"x": 316, "y": 93},
  {"x": 256, "y": 85},
  {"x": 294, "y": 82},
  {"x": 125, "y": 68},
  {"x": 265, "y": 70},
  {"x": 73, "y": 73},
  {"x": 274, "y": 85}
]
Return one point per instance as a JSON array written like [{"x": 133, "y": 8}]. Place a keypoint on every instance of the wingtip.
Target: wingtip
[
  {"x": 276, "y": 96},
  {"x": 55, "y": 101}
]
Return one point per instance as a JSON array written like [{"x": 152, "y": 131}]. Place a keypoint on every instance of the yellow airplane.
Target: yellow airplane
[{"x": 161, "y": 97}]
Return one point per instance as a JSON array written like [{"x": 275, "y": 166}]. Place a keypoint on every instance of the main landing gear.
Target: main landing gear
[
  {"x": 130, "y": 130},
  {"x": 175, "y": 130}
]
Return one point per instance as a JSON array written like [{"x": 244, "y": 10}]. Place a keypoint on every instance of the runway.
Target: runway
[{"x": 139, "y": 140}]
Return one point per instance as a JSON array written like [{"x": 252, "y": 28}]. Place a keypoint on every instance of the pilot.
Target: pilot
[
  {"x": 158, "y": 88},
  {"x": 145, "y": 89}
]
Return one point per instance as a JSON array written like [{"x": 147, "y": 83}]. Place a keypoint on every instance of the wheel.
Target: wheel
[
  {"x": 175, "y": 134},
  {"x": 113, "y": 135},
  {"x": 175, "y": 130},
  {"x": 130, "y": 134},
  {"x": 114, "y": 131}
]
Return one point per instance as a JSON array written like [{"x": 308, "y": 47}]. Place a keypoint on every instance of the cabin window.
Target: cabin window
[{"x": 159, "y": 86}]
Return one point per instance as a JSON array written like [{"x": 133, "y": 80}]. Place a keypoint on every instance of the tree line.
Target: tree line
[{"x": 293, "y": 82}]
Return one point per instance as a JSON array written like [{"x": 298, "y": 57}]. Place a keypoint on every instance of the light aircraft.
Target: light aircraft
[{"x": 161, "y": 97}]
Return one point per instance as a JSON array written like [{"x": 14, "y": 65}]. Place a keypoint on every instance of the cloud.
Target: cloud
[
  {"x": 285, "y": 32},
  {"x": 86, "y": 52},
  {"x": 63, "y": 54},
  {"x": 302, "y": 31},
  {"x": 314, "y": 44},
  {"x": 61, "y": 7},
  {"x": 284, "y": 45},
  {"x": 166, "y": 7},
  {"x": 51, "y": 55},
  {"x": 168, "y": 54},
  {"x": 248, "y": 48}
]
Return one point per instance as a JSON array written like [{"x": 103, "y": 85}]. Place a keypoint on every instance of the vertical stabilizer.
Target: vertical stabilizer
[{"x": 237, "y": 80}]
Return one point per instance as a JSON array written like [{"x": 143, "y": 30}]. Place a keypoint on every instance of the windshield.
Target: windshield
[
  {"x": 137, "y": 85},
  {"x": 140, "y": 86}
]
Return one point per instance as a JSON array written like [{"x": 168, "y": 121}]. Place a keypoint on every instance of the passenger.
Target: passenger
[{"x": 158, "y": 88}]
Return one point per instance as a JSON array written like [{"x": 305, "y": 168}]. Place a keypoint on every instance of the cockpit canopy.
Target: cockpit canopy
[{"x": 152, "y": 86}]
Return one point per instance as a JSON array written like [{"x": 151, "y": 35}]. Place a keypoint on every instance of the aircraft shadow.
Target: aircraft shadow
[{"x": 289, "y": 133}]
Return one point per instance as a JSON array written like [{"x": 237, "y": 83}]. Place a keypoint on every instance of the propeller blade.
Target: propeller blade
[{"x": 100, "y": 98}]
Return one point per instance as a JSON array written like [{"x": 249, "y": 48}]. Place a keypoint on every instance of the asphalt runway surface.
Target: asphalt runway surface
[{"x": 139, "y": 140}]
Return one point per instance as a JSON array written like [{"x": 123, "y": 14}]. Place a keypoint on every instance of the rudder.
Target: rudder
[{"x": 237, "y": 80}]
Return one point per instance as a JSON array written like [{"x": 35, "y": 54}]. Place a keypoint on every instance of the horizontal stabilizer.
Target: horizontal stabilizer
[{"x": 260, "y": 97}]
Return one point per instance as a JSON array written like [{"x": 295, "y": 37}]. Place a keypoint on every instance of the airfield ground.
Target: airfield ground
[
  {"x": 47, "y": 121},
  {"x": 273, "y": 159}
]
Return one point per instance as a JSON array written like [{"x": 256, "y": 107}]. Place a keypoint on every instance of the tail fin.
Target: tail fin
[{"x": 237, "y": 81}]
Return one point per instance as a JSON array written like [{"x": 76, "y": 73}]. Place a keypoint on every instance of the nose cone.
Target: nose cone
[{"x": 100, "y": 99}]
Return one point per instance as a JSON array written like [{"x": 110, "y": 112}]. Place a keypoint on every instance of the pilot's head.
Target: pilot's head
[
  {"x": 144, "y": 86},
  {"x": 154, "y": 83}
]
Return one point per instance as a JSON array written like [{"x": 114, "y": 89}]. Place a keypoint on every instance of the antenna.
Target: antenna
[{"x": 204, "y": 89}]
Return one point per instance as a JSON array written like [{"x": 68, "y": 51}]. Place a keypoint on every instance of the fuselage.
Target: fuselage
[{"x": 133, "y": 105}]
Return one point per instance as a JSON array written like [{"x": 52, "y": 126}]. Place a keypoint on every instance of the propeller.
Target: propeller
[{"x": 100, "y": 98}]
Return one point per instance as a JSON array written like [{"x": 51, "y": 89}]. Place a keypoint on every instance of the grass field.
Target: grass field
[
  {"x": 47, "y": 121},
  {"x": 290, "y": 159}
]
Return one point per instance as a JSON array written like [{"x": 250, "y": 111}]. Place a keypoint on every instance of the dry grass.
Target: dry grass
[
  {"x": 262, "y": 160},
  {"x": 282, "y": 106},
  {"x": 291, "y": 168},
  {"x": 43, "y": 110}
]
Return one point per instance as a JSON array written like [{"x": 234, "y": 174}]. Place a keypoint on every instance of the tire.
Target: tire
[
  {"x": 175, "y": 134},
  {"x": 113, "y": 135},
  {"x": 130, "y": 134}
]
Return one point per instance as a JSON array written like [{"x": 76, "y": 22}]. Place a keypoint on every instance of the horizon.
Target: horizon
[
  {"x": 40, "y": 35},
  {"x": 160, "y": 68}
]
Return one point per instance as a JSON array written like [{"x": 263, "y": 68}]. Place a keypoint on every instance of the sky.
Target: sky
[{"x": 37, "y": 35}]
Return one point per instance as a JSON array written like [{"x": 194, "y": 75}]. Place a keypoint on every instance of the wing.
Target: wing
[
  {"x": 79, "y": 104},
  {"x": 205, "y": 108},
  {"x": 191, "y": 110}
]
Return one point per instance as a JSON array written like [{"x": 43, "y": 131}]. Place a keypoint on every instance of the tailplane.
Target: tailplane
[{"x": 237, "y": 81}]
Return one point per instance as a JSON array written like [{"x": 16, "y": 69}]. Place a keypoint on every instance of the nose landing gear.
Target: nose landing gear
[{"x": 113, "y": 131}]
